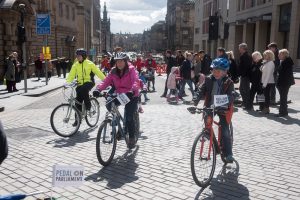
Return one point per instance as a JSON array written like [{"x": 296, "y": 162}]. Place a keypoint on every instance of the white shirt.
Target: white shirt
[{"x": 267, "y": 73}]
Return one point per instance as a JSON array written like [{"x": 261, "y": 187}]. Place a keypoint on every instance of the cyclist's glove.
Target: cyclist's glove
[
  {"x": 196, "y": 98},
  {"x": 96, "y": 93}
]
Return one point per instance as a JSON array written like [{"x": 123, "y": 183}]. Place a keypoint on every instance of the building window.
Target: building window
[
  {"x": 73, "y": 14},
  {"x": 186, "y": 15},
  {"x": 67, "y": 12},
  {"x": 60, "y": 9},
  {"x": 207, "y": 10},
  {"x": 196, "y": 47},
  {"x": 205, "y": 26},
  {"x": 197, "y": 30},
  {"x": 185, "y": 32}
]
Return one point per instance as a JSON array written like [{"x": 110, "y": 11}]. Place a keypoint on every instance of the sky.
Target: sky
[{"x": 134, "y": 16}]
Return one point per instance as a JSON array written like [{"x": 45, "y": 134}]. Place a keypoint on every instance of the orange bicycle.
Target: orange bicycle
[{"x": 206, "y": 146}]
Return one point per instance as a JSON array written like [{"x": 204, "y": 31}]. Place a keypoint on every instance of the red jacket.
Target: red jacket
[
  {"x": 105, "y": 64},
  {"x": 150, "y": 63},
  {"x": 139, "y": 64}
]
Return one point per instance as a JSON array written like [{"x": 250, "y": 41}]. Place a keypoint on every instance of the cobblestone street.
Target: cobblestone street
[{"x": 266, "y": 149}]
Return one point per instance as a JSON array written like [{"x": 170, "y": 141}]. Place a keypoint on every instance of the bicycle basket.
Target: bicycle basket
[{"x": 69, "y": 93}]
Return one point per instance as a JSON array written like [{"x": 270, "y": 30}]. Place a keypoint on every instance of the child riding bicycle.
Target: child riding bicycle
[{"x": 218, "y": 83}]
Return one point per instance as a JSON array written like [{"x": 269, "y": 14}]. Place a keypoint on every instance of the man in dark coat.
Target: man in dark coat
[
  {"x": 205, "y": 62},
  {"x": 244, "y": 71}
]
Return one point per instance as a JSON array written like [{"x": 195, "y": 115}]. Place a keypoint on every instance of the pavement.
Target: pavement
[{"x": 266, "y": 150}]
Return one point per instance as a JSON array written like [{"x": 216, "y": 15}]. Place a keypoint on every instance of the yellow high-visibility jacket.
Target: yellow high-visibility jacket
[{"x": 83, "y": 71}]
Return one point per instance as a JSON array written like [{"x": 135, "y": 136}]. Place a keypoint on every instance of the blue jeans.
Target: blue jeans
[
  {"x": 182, "y": 86},
  {"x": 226, "y": 137}
]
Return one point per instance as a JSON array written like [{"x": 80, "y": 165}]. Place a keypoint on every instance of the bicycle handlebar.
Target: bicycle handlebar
[{"x": 218, "y": 110}]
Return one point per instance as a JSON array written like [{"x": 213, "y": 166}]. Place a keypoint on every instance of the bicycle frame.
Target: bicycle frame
[
  {"x": 209, "y": 126},
  {"x": 116, "y": 117}
]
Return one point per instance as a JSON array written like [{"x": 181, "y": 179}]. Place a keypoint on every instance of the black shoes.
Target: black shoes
[{"x": 131, "y": 143}]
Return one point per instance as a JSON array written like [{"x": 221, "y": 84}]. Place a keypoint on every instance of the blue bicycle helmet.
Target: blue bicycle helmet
[
  {"x": 220, "y": 63},
  {"x": 81, "y": 52}
]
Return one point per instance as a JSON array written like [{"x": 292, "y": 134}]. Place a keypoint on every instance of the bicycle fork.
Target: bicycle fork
[{"x": 210, "y": 146}]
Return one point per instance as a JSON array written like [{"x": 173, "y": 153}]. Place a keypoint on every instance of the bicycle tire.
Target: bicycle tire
[
  {"x": 99, "y": 142},
  {"x": 205, "y": 181},
  {"x": 67, "y": 133},
  {"x": 231, "y": 134},
  {"x": 94, "y": 102}
]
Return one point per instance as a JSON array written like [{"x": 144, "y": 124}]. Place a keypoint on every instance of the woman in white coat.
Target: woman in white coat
[{"x": 267, "y": 78}]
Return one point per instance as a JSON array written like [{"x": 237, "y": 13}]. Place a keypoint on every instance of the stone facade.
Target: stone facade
[
  {"x": 203, "y": 10},
  {"x": 257, "y": 23},
  {"x": 74, "y": 24},
  {"x": 158, "y": 42},
  {"x": 180, "y": 24}
]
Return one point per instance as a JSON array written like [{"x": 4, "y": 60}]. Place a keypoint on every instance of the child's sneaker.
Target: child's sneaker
[
  {"x": 141, "y": 109},
  {"x": 168, "y": 99},
  {"x": 177, "y": 99}
]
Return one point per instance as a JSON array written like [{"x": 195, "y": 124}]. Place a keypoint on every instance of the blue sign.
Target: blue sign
[
  {"x": 43, "y": 24},
  {"x": 92, "y": 52}
]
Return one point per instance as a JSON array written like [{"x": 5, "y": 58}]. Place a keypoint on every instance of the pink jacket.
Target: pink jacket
[
  {"x": 171, "y": 84},
  {"x": 127, "y": 83}
]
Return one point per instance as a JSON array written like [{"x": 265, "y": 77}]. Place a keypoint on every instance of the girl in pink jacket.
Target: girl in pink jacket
[
  {"x": 124, "y": 79},
  {"x": 172, "y": 82}
]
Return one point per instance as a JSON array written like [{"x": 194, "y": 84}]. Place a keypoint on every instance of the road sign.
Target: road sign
[{"x": 43, "y": 24}]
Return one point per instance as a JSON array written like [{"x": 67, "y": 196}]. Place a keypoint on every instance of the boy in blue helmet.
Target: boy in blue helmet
[{"x": 218, "y": 83}]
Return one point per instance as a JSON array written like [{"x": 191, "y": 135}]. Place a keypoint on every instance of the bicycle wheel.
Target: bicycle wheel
[
  {"x": 202, "y": 166},
  {"x": 63, "y": 119},
  {"x": 231, "y": 134},
  {"x": 106, "y": 143},
  {"x": 136, "y": 119},
  {"x": 93, "y": 117}
]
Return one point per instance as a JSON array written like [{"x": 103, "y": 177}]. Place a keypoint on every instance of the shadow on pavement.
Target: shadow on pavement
[
  {"x": 119, "y": 172},
  {"x": 225, "y": 185},
  {"x": 283, "y": 120},
  {"x": 79, "y": 137}
]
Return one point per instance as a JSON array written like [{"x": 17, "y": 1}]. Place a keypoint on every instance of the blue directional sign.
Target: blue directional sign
[{"x": 43, "y": 24}]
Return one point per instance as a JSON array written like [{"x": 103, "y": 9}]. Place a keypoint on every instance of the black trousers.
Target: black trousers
[
  {"x": 82, "y": 92},
  {"x": 283, "y": 92},
  {"x": 255, "y": 89},
  {"x": 130, "y": 108},
  {"x": 245, "y": 91},
  {"x": 267, "y": 95},
  {"x": 166, "y": 88},
  {"x": 11, "y": 85}
]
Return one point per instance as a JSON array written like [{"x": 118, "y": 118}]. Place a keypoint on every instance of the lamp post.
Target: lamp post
[{"x": 22, "y": 40}]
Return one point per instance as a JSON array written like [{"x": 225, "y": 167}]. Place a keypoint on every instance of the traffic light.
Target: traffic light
[
  {"x": 21, "y": 34},
  {"x": 213, "y": 29}
]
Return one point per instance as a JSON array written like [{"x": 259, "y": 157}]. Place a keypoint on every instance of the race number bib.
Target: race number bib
[
  {"x": 123, "y": 99},
  {"x": 220, "y": 100}
]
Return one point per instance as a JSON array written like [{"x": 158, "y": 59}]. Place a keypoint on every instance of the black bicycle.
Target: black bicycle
[{"x": 113, "y": 129}]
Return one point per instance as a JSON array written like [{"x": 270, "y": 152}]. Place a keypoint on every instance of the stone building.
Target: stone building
[
  {"x": 158, "y": 37},
  {"x": 180, "y": 24},
  {"x": 128, "y": 41},
  {"x": 203, "y": 10},
  {"x": 256, "y": 22},
  {"x": 106, "y": 42},
  {"x": 74, "y": 24},
  {"x": 146, "y": 41}
]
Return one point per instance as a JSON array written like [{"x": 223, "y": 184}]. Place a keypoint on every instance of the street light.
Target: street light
[{"x": 22, "y": 40}]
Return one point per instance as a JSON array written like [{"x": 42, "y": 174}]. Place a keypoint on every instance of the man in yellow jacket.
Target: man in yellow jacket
[{"x": 82, "y": 68}]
